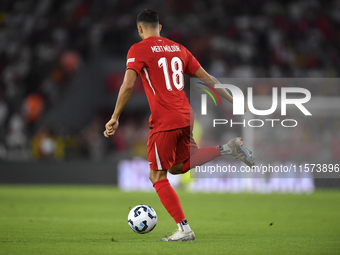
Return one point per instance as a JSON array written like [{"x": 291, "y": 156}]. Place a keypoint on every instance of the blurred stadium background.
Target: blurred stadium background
[{"x": 62, "y": 63}]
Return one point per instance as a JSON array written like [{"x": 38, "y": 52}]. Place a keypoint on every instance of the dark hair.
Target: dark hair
[{"x": 149, "y": 17}]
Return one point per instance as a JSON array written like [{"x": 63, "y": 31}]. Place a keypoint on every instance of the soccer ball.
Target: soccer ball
[{"x": 142, "y": 219}]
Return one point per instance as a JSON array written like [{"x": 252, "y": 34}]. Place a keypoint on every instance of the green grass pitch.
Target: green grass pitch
[{"x": 84, "y": 219}]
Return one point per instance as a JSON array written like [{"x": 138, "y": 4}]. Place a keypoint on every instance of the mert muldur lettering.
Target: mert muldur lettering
[{"x": 166, "y": 48}]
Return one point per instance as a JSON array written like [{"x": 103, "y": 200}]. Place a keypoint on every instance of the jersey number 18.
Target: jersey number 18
[{"x": 177, "y": 72}]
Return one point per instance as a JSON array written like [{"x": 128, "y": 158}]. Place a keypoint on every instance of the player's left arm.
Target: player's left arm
[
  {"x": 211, "y": 80},
  {"x": 124, "y": 95}
]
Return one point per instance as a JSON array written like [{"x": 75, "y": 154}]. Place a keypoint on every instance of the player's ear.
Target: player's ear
[
  {"x": 140, "y": 29},
  {"x": 160, "y": 27}
]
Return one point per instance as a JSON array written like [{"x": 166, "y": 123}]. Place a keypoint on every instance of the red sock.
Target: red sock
[
  {"x": 169, "y": 199},
  {"x": 200, "y": 157}
]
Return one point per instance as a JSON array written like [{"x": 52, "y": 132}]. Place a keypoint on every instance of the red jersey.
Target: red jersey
[{"x": 162, "y": 64}]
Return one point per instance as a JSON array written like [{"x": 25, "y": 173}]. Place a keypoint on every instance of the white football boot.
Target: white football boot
[
  {"x": 236, "y": 149},
  {"x": 180, "y": 236}
]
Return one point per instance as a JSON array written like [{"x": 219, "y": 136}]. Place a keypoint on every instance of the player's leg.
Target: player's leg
[
  {"x": 233, "y": 148},
  {"x": 187, "y": 153},
  {"x": 163, "y": 153},
  {"x": 167, "y": 194},
  {"x": 201, "y": 156},
  {"x": 172, "y": 204}
]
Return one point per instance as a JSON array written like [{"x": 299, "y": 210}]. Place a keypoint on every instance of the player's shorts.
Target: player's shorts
[{"x": 167, "y": 148}]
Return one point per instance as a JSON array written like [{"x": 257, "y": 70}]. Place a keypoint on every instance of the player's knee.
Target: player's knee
[
  {"x": 157, "y": 175},
  {"x": 151, "y": 177}
]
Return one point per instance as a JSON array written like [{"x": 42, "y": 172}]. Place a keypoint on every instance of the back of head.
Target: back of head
[{"x": 148, "y": 19}]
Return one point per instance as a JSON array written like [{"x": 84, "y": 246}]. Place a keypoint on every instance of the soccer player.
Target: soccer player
[{"x": 162, "y": 63}]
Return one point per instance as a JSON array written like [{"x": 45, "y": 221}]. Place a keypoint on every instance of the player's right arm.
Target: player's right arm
[{"x": 124, "y": 95}]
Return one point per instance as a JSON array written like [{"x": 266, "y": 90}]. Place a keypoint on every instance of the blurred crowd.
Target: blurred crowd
[{"x": 44, "y": 44}]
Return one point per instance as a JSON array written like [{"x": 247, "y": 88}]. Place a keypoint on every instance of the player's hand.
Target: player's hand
[{"x": 111, "y": 127}]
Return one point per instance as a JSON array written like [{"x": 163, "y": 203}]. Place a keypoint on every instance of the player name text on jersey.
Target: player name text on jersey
[{"x": 166, "y": 48}]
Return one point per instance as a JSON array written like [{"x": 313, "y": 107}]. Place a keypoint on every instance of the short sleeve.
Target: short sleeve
[
  {"x": 192, "y": 63},
  {"x": 134, "y": 60}
]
